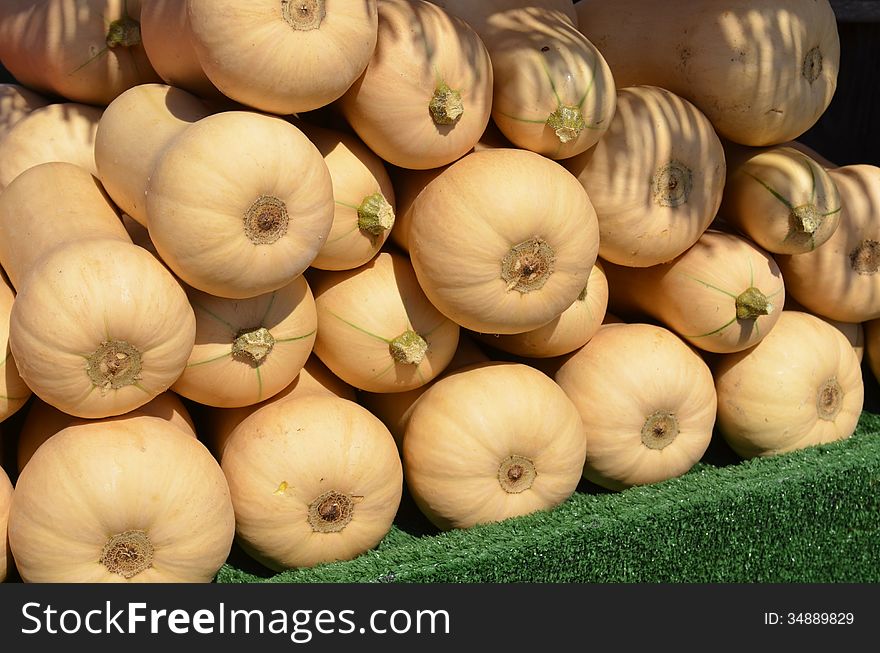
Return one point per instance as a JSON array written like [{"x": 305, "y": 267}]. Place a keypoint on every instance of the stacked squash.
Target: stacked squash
[{"x": 362, "y": 248}]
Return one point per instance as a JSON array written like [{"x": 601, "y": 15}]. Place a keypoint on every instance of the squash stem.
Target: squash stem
[
  {"x": 375, "y": 215},
  {"x": 409, "y": 348},
  {"x": 124, "y": 32},
  {"x": 806, "y": 219},
  {"x": 567, "y": 122},
  {"x": 751, "y": 304},
  {"x": 128, "y": 553},
  {"x": 253, "y": 345},
  {"x": 445, "y": 105}
]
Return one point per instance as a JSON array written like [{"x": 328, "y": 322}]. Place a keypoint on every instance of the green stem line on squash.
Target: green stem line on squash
[
  {"x": 714, "y": 331},
  {"x": 837, "y": 210},
  {"x": 343, "y": 235},
  {"x": 295, "y": 338},
  {"x": 259, "y": 383},
  {"x": 268, "y": 308},
  {"x": 143, "y": 389},
  {"x": 210, "y": 360},
  {"x": 346, "y": 205},
  {"x": 552, "y": 83},
  {"x": 357, "y": 328},
  {"x": 775, "y": 194},
  {"x": 211, "y": 313},
  {"x": 813, "y": 189},
  {"x": 709, "y": 285}
]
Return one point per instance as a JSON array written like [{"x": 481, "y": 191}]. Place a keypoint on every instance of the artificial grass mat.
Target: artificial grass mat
[{"x": 811, "y": 516}]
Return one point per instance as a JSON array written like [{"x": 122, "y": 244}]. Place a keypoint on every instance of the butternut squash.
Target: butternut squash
[
  {"x": 14, "y": 392},
  {"x": 16, "y": 102},
  {"x": 6, "y": 560}
]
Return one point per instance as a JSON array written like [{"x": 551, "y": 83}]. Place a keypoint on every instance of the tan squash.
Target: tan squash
[
  {"x": 647, "y": 402},
  {"x": 841, "y": 279},
  {"x": 395, "y": 408},
  {"x": 283, "y": 57},
  {"x": 723, "y": 294},
  {"x": 363, "y": 195},
  {"x": 503, "y": 241},
  {"x": 84, "y": 50},
  {"x": 801, "y": 386},
  {"x": 526, "y": 455},
  {"x": 47, "y": 206},
  {"x": 376, "y": 329},
  {"x": 14, "y": 392},
  {"x": 239, "y": 217},
  {"x": 313, "y": 378},
  {"x": 55, "y": 132},
  {"x": 134, "y": 500},
  {"x": 248, "y": 350},
  {"x": 426, "y": 95},
  {"x": 655, "y": 179},
  {"x": 813, "y": 154},
  {"x": 553, "y": 91},
  {"x": 100, "y": 328},
  {"x": 780, "y": 198},
  {"x": 312, "y": 481},
  {"x": 16, "y": 102},
  {"x": 43, "y": 421},
  {"x": 762, "y": 71},
  {"x": 166, "y": 39},
  {"x": 570, "y": 331},
  {"x": 6, "y": 560},
  {"x": 134, "y": 130},
  {"x": 872, "y": 346}
]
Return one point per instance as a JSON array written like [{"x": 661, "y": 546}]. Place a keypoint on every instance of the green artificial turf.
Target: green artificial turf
[{"x": 811, "y": 516}]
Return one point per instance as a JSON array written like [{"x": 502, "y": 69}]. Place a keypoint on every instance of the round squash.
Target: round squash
[
  {"x": 852, "y": 331},
  {"x": 723, "y": 294},
  {"x": 656, "y": 178},
  {"x": 314, "y": 480},
  {"x": 100, "y": 328},
  {"x": 133, "y": 131},
  {"x": 166, "y": 39},
  {"x": 570, "y": 331},
  {"x": 87, "y": 51},
  {"x": 780, "y": 198},
  {"x": 426, "y": 95},
  {"x": 526, "y": 455},
  {"x": 503, "y": 241},
  {"x": 800, "y": 386},
  {"x": 47, "y": 206},
  {"x": 313, "y": 378},
  {"x": 6, "y": 561},
  {"x": 133, "y": 500},
  {"x": 43, "y": 421},
  {"x": 56, "y": 132},
  {"x": 647, "y": 402},
  {"x": 16, "y": 102},
  {"x": 248, "y": 350},
  {"x": 239, "y": 216},
  {"x": 14, "y": 392},
  {"x": 841, "y": 279},
  {"x": 762, "y": 71},
  {"x": 376, "y": 329},
  {"x": 364, "y": 200},
  {"x": 283, "y": 57}
]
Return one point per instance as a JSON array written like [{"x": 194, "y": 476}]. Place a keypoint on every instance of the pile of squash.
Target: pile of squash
[{"x": 267, "y": 263}]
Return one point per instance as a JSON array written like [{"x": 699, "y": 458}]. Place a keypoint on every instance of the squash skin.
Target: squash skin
[
  {"x": 252, "y": 55},
  {"x": 43, "y": 421},
  {"x": 16, "y": 102},
  {"x": 420, "y": 49},
  {"x": 6, "y": 490},
  {"x": 747, "y": 65},
  {"x": 47, "y": 206},
  {"x": 473, "y": 222},
  {"x": 221, "y": 373},
  {"x": 453, "y": 469},
  {"x": 770, "y": 397},
  {"x": 697, "y": 295},
  {"x": 205, "y": 184},
  {"x": 284, "y": 456},
  {"x": 484, "y": 16},
  {"x": 133, "y": 131},
  {"x": 128, "y": 473},
  {"x": 834, "y": 280},
  {"x": 60, "y": 47},
  {"x": 92, "y": 292},
  {"x": 55, "y": 132},
  {"x": 14, "y": 392},
  {"x": 656, "y": 178},
  {"x": 619, "y": 380}
]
